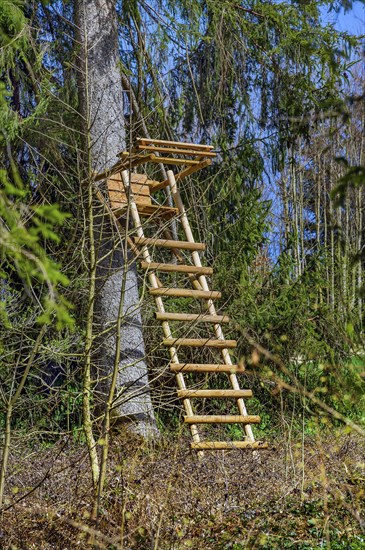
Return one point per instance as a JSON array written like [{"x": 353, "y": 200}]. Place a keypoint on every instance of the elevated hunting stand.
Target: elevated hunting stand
[{"x": 214, "y": 380}]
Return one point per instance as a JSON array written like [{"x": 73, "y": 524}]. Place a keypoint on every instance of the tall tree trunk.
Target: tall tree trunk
[
  {"x": 296, "y": 226},
  {"x": 319, "y": 247},
  {"x": 101, "y": 106},
  {"x": 360, "y": 224},
  {"x": 332, "y": 250},
  {"x": 301, "y": 210}
]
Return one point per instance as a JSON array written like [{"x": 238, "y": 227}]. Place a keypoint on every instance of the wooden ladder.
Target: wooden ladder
[{"x": 137, "y": 199}]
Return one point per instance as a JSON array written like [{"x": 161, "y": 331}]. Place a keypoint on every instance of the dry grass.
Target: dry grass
[{"x": 165, "y": 498}]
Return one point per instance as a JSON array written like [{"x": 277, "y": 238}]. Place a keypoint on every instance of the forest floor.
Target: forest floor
[{"x": 294, "y": 495}]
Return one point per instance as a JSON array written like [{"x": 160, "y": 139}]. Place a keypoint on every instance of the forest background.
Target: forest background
[{"x": 279, "y": 92}]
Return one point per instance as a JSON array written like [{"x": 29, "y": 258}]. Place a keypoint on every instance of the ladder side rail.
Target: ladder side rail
[
  {"x": 159, "y": 304},
  {"x": 210, "y": 305}
]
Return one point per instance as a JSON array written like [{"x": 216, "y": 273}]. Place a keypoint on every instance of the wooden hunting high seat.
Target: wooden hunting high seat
[{"x": 127, "y": 189}]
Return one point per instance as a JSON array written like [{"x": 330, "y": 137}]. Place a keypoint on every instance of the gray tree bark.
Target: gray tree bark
[{"x": 101, "y": 106}]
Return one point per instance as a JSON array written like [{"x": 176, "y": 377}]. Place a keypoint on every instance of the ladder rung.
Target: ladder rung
[
  {"x": 166, "y": 243},
  {"x": 222, "y": 419},
  {"x": 186, "y": 292},
  {"x": 220, "y": 445},
  {"x": 201, "y": 367},
  {"x": 200, "y": 342},
  {"x": 214, "y": 393},
  {"x": 197, "y": 317},
  {"x": 176, "y": 268}
]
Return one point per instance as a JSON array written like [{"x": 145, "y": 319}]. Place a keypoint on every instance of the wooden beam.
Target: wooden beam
[
  {"x": 175, "y": 161},
  {"x": 193, "y": 317},
  {"x": 174, "y": 143},
  {"x": 176, "y": 151},
  {"x": 201, "y": 367},
  {"x": 214, "y": 393},
  {"x": 199, "y": 343},
  {"x": 154, "y": 282},
  {"x": 135, "y": 158},
  {"x": 167, "y": 243},
  {"x": 222, "y": 419},
  {"x": 176, "y": 268},
  {"x": 186, "y": 293},
  {"x": 210, "y": 306},
  {"x": 228, "y": 445}
]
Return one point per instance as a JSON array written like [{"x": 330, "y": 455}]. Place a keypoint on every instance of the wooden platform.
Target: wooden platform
[{"x": 191, "y": 157}]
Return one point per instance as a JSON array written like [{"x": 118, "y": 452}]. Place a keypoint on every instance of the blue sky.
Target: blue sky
[{"x": 353, "y": 21}]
